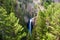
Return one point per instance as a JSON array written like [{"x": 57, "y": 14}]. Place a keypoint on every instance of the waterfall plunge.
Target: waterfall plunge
[{"x": 30, "y": 26}]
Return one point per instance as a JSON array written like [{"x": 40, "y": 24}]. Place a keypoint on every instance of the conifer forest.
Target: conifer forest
[{"x": 29, "y": 19}]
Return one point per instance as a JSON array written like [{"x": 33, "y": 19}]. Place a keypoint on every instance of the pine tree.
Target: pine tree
[
  {"x": 2, "y": 18},
  {"x": 9, "y": 5},
  {"x": 10, "y": 27},
  {"x": 48, "y": 23}
]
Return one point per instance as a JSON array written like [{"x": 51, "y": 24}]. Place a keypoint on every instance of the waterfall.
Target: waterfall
[{"x": 30, "y": 27}]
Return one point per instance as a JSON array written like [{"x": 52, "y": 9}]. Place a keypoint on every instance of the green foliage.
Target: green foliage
[
  {"x": 8, "y": 5},
  {"x": 41, "y": 28},
  {"x": 48, "y": 23},
  {"x": 46, "y": 3},
  {"x": 10, "y": 27}
]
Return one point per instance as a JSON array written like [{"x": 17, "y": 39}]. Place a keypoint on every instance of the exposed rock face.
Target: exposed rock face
[
  {"x": 56, "y": 1},
  {"x": 30, "y": 6},
  {"x": 36, "y": 1},
  {"x": 28, "y": 9},
  {"x": 26, "y": 19}
]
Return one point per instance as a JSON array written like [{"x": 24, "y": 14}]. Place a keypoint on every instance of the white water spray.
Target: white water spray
[{"x": 30, "y": 26}]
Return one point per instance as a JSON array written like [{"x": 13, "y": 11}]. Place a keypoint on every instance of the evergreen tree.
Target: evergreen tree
[
  {"x": 48, "y": 22},
  {"x": 9, "y": 5},
  {"x": 10, "y": 27}
]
